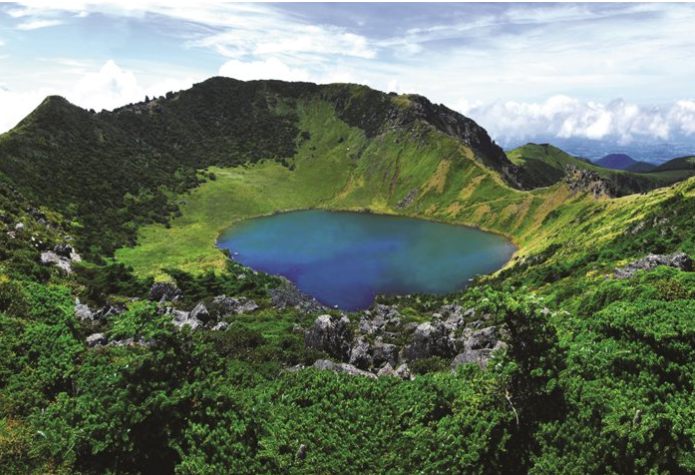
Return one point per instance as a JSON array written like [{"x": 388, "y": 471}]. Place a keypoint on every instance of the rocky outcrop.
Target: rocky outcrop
[
  {"x": 330, "y": 334},
  {"x": 581, "y": 180},
  {"x": 289, "y": 296},
  {"x": 454, "y": 332},
  {"x": 380, "y": 320},
  {"x": 360, "y": 354},
  {"x": 223, "y": 305},
  {"x": 200, "y": 312},
  {"x": 342, "y": 368},
  {"x": 478, "y": 348},
  {"x": 164, "y": 292},
  {"x": 402, "y": 372},
  {"x": 209, "y": 316},
  {"x": 430, "y": 339},
  {"x": 181, "y": 319},
  {"x": 96, "y": 339},
  {"x": 456, "y": 125},
  {"x": 62, "y": 256},
  {"x": 679, "y": 260},
  {"x": 83, "y": 312}
]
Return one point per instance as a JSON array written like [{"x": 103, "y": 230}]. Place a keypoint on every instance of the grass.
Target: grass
[{"x": 339, "y": 168}]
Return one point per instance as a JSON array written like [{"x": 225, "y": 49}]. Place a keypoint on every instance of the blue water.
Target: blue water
[{"x": 346, "y": 259}]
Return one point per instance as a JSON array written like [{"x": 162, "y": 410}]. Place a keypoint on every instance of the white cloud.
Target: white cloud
[
  {"x": 271, "y": 68},
  {"x": 108, "y": 88},
  {"x": 566, "y": 117},
  {"x": 36, "y": 24}
]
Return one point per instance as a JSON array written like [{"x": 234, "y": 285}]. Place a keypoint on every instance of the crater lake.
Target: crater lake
[{"x": 345, "y": 259}]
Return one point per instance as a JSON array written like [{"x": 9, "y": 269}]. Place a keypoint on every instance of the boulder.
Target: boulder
[
  {"x": 221, "y": 326},
  {"x": 164, "y": 292},
  {"x": 109, "y": 311},
  {"x": 386, "y": 370},
  {"x": 360, "y": 354},
  {"x": 403, "y": 372},
  {"x": 63, "y": 250},
  {"x": 96, "y": 339},
  {"x": 223, "y": 305},
  {"x": 342, "y": 368},
  {"x": 289, "y": 296},
  {"x": 679, "y": 260},
  {"x": 50, "y": 257},
  {"x": 330, "y": 334},
  {"x": 384, "y": 353},
  {"x": 479, "y": 356},
  {"x": 379, "y": 319},
  {"x": 200, "y": 312},
  {"x": 181, "y": 319},
  {"x": 83, "y": 312},
  {"x": 483, "y": 338},
  {"x": 430, "y": 339}
]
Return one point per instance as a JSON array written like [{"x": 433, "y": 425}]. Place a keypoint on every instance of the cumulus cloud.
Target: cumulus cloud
[
  {"x": 108, "y": 88},
  {"x": 271, "y": 68},
  {"x": 565, "y": 117}
]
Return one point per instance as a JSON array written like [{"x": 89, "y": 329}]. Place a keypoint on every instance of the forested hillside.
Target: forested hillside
[{"x": 578, "y": 357}]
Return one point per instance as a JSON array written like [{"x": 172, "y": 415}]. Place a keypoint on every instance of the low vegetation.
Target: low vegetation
[{"x": 596, "y": 376}]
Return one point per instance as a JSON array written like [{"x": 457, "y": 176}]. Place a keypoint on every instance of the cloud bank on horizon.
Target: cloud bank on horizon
[{"x": 619, "y": 72}]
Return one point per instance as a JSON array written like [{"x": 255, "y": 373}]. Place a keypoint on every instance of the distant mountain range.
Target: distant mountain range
[
  {"x": 655, "y": 151},
  {"x": 621, "y": 161}
]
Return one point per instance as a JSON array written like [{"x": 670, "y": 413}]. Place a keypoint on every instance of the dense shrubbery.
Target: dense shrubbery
[{"x": 597, "y": 376}]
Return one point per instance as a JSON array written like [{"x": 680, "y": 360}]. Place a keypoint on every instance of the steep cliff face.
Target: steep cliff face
[{"x": 457, "y": 125}]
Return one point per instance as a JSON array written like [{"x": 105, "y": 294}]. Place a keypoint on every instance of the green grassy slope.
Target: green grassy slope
[
  {"x": 544, "y": 165},
  {"x": 112, "y": 172},
  {"x": 415, "y": 171},
  {"x": 681, "y": 163},
  {"x": 597, "y": 375}
]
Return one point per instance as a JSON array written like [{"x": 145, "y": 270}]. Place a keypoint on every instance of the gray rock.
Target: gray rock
[
  {"x": 360, "y": 354},
  {"x": 109, "y": 311},
  {"x": 50, "y": 257},
  {"x": 384, "y": 353},
  {"x": 200, "y": 312},
  {"x": 221, "y": 326},
  {"x": 479, "y": 356},
  {"x": 63, "y": 250},
  {"x": 342, "y": 368},
  {"x": 246, "y": 306},
  {"x": 679, "y": 260},
  {"x": 181, "y": 319},
  {"x": 379, "y": 320},
  {"x": 164, "y": 292},
  {"x": 430, "y": 339},
  {"x": 386, "y": 370},
  {"x": 403, "y": 372},
  {"x": 289, "y": 296},
  {"x": 484, "y": 338},
  {"x": 96, "y": 339},
  {"x": 223, "y": 305},
  {"x": 83, "y": 312},
  {"x": 330, "y": 334}
]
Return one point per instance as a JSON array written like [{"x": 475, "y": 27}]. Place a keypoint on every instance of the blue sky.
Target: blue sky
[{"x": 620, "y": 72}]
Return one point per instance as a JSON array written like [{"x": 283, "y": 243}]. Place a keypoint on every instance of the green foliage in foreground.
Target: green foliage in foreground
[{"x": 610, "y": 392}]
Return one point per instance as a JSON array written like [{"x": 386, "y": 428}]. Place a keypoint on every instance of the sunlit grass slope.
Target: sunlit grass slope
[{"x": 416, "y": 171}]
